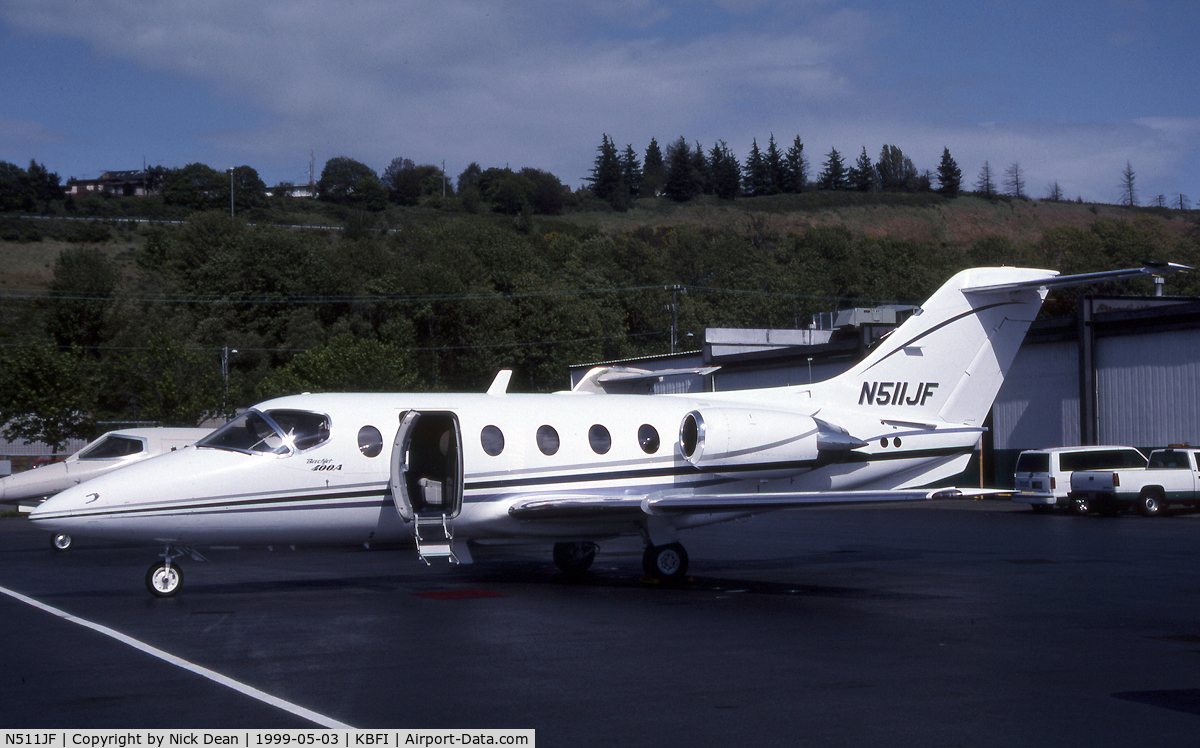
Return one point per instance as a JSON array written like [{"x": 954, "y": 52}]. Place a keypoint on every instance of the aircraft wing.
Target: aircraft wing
[{"x": 667, "y": 502}]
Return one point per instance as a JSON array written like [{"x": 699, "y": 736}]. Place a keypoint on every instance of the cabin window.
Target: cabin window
[
  {"x": 600, "y": 439},
  {"x": 648, "y": 438},
  {"x": 112, "y": 447},
  {"x": 370, "y": 441},
  {"x": 492, "y": 439},
  {"x": 547, "y": 440}
]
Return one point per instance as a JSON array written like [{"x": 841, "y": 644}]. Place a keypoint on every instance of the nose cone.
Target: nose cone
[
  {"x": 60, "y": 513},
  {"x": 32, "y": 484},
  {"x": 86, "y": 508}
]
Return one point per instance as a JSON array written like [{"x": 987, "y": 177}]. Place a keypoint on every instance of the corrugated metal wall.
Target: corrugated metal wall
[
  {"x": 1148, "y": 388},
  {"x": 1038, "y": 405}
]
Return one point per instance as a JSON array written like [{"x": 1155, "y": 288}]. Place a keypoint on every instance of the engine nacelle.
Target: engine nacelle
[{"x": 751, "y": 443}]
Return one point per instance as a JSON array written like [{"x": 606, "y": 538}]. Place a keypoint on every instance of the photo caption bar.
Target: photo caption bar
[{"x": 264, "y": 738}]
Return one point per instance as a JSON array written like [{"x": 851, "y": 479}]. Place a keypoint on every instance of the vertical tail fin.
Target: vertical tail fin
[{"x": 947, "y": 362}]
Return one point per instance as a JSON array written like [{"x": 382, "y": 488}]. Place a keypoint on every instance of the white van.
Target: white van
[{"x": 1043, "y": 476}]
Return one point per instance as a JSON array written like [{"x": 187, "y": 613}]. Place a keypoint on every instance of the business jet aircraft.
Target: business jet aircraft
[
  {"x": 110, "y": 451},
  {"x": 450, "y": 471}
]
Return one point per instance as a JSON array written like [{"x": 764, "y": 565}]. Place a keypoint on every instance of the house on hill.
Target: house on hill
[{"x": 129, "y": 183}]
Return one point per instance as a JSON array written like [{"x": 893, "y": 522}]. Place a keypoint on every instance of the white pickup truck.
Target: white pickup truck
[{"x": 1171, "y": 477}]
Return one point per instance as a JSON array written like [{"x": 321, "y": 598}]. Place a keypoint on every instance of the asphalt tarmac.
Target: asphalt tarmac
[{"x": 927, "y": 624}]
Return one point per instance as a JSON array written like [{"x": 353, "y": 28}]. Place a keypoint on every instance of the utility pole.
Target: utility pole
[{"x": 674, "y": 307}]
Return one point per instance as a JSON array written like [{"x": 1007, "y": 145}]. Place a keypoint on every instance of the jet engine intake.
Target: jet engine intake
[{"x": 750, "y": 443}]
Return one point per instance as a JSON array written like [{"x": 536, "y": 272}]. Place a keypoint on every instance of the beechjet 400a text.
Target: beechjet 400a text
[{"x": 455, "y": 471}]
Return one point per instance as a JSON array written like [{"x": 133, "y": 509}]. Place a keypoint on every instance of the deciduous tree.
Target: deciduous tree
[
  {"x": 348, "y": 182},
  {"x": 48, "y": 395}
]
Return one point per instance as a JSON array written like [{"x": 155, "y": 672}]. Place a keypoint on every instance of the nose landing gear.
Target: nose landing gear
[{"x": 165, "y": 578}]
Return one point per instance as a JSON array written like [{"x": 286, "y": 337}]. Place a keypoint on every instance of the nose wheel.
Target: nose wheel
[
  {"x": 164, "y": 579},
  {"x": 61, "y": 542}
]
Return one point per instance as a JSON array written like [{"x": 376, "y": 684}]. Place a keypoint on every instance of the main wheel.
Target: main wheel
[
  {"x": 668, "y": 563},
  {"x": 163, "y": 580},
  {"x": 574, "y": 558},
  {"x": 61, "y": 542},
  {"x": 1150, "y": 504}
]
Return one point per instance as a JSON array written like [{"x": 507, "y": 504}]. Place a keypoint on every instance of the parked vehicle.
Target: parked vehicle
[
  {"x": 1043, "y": 476},
  {"x": 1170, "y": 477}
]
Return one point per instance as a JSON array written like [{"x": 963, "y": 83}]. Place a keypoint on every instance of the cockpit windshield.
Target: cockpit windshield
[
  {"x": 279, "y": 432},
  {"x": 112, "y": 447}
]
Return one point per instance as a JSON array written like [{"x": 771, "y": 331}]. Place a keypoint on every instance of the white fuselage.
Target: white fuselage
[{"x": 336, "y": 493}]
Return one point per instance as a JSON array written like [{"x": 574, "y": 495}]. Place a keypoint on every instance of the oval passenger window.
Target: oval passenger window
[
  {"x": 648, "y": 438},
  {"x": 547, "y": 440},
  {"x": 492, "y": 440},
  {"x": 600, "y": 439},
  {"x": 370, "y": 441}
]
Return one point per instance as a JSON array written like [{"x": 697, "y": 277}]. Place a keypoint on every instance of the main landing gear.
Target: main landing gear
[
  {"x": 573, "y": 559},
  {"x": 666, "y": 563}
]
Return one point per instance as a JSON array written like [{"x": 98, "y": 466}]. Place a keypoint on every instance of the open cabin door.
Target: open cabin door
[{"x": 427, "y": 478}]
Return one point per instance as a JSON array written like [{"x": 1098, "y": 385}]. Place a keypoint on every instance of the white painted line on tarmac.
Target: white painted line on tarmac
[{"x": 204, "y": 672}]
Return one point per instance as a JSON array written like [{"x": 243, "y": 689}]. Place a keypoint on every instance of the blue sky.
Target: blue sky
[{"x": 1069, "y": 90}]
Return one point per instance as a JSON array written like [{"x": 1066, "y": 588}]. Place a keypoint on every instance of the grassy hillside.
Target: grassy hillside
[
  {"x": 926, "y": 218},
  {"x": 28, "y": 246}
]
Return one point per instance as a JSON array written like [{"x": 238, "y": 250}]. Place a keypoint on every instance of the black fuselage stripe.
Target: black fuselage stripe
[
  {"x": 383, "y": 495},
  {"x": 937, "y": 327}
]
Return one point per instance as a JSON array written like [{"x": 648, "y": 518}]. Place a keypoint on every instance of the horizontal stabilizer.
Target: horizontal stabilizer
[
  {"x": 1082, "y": 279},
  {"x": 618, "y": 379}
]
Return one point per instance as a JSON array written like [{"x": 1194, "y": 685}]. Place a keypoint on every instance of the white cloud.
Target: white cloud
[
  {"x": 16, "y": 134},
  {"x": 535, "y": 83}
]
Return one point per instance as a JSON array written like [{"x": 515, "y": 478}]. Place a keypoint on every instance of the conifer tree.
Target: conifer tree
[
  {"x": 703, "y": 169},
  {"x": 653, "y": 170},
  {"x": 949, "y": 175},
  {"x": 726, "y": 172},
  {"x": 774, "y": 173},
  {"x": 1014, "y": 180},
  {"x": 834, "y": 175},
  {"x": 862, "y": 174},
  {"x": 754, "y": 180},
  {"x": 606, "y": 180},
  {"x": 795, "y": 168},
  {"x": 1128, "y": 190},
  {"x": 631, "y": 171},
  {"x": 984, "y": 184},
  {"x": 682, "y": 181}
]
